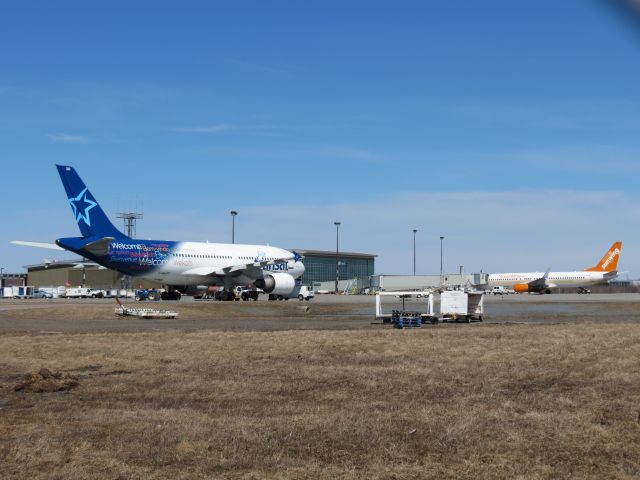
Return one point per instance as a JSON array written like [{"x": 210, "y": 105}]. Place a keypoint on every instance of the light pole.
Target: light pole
[
  {"x": 414, "y": 252},
  {"x": 233, "y": 225},
  {"x": 441, "y": 239},
  {"x": 337, "y": 224}
]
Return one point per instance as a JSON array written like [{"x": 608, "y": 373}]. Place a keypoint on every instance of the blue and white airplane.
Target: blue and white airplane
[{"x": 184, "y": 267}]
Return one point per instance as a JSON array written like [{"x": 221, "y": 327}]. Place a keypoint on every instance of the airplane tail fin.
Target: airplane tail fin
[
  {"x": 608, "y": 263},
  {"x": 91, "y": 219}
]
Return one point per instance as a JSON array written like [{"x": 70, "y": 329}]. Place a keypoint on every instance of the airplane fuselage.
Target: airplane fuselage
[
  {"x": 170, "y": 262},
  {"x": 555, "y": 279}
]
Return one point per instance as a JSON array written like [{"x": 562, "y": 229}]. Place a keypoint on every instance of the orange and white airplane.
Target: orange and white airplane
[{"x": 539, "y": 282}]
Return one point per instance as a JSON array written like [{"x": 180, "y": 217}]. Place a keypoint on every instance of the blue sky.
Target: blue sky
[{"x": 511, "y": 128}]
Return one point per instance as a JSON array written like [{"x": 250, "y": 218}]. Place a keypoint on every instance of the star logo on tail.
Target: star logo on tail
[{"x": 81, "y": 206}]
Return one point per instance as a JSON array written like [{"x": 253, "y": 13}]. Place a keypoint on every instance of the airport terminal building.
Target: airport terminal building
[
  {"x": 74, "y": 273},
  {"x": 320, "y": 265}
]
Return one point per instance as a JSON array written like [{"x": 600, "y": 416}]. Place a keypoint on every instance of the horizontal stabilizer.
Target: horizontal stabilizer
[
  {"x": 51, "y": 246},
  {"x": 99, "y": 247}
]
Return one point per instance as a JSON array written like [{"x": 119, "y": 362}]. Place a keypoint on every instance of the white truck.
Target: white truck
[
  {"x": 301, "y": 292},
  {"x": 78, "y": 292},
  {"x": 501, "y": 290}
]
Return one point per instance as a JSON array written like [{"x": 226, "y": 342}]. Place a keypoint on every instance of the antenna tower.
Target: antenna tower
[{"x": 130, "y": 219}]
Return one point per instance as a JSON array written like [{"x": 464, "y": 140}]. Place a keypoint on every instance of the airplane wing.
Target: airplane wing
[
  {"x": 88, "y": 264},
  {"x": 51, "y": 246},
  {"x": 231, "y": 269},
  {"x": 540, "y": 283}
]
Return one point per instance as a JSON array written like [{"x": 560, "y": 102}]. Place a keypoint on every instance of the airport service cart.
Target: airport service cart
[
  {"x": 411, "y": 309},
  {"x": 122, "y": 311},
  {"x": 458, "y": 305}
]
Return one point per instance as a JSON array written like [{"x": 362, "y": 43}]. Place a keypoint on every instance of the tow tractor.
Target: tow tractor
[
  {"x": 143, "y": 294},
  {"x": 153, "y": 294}
]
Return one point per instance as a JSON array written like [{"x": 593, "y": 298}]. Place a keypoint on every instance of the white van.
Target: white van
[
  {"x": 301, "y": 292},
  {"x": 501, "y": 290}
]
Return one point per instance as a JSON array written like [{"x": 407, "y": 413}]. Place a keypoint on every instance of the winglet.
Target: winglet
[
  {"x": 297, "y": 257},
  {"x": 608, "y": 263}
]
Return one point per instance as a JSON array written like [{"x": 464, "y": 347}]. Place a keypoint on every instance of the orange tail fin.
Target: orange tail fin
[{"x": 609, "y": 262}]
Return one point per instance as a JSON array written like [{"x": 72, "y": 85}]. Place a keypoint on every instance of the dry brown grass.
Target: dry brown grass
[
  {"x": 191, "y": 310},
  {"x": 489, "y": 402}
]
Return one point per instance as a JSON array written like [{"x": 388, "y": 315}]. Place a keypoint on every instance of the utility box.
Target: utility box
[{"x": 459, "y": 305}]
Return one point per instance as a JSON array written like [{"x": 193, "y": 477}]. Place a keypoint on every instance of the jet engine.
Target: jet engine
[
  {"x": 276, "y": 283},
  {"x": 521, "y": 287},
  {"x": 526, "y": 287}
]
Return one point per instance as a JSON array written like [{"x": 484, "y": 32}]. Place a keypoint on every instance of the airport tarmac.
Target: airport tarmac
[{"x": 324, "y": 312}]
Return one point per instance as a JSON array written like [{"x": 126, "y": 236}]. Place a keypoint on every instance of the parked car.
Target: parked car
[{"x": 41, "y": 294}]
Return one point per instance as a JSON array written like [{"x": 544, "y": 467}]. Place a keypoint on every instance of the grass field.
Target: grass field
[{"x": 559, "y": 401}]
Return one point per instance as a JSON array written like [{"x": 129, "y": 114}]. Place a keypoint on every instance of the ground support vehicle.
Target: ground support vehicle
[
  {"x": 501, "y": 290},
  {"x": 458, "y": 305},
  {"x": 79, "y": 292},
  {"x": 246, "y": 293},
  {"x": 224, "y": 295},
  {"x": 144, "y": 294},
  {"x": 413, "y": 308},
  {"x": 301, "y": 292},
  {"x": 173, "y": 295},
  {"x": 123, "y": 311}
]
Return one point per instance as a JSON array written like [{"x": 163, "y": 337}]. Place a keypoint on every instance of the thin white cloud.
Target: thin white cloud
[
  {"x": 601, "y": 159},
  {"x": 586, "y": 117},
  {"x": 348, "y": 153},
  {"x": 220, "y": 128},
  {"x": 493, "y": 231},
  {"x": 257, "y": 67},
  {"x": 68, "y": 138},
  {"x": 226, "y": 128}
]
